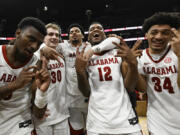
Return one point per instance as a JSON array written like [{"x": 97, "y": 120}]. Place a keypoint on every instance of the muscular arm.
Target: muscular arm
[
  {"x": 83, "y": 83},
  {"x": 42, "y": 83},
  {"x": 80, "y": 65},
  {"x": 141, "y": 83},
  {"x": 130, "y": 75},
  {"x": 105, "y": 45},
  {"x": 7, "y": 90}
]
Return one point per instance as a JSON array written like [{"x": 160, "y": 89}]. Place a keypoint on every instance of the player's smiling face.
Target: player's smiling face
[
  {"x": 158, "y": 37},
  {"x": 52, "y": 37},
  {"x": 96, "y": 34}
]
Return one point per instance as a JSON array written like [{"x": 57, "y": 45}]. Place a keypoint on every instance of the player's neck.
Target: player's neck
[
  {"x": 160, "y": 54},
  {"x": 12, "y": 56},
  {"x": 76, "y": 44},
  {"x": 157, "y": 52}
]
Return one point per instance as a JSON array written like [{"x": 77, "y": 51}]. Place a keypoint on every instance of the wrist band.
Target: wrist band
[{"x": 40, "y": 99}]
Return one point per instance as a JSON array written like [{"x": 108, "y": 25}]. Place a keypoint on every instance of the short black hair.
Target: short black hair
[
  {"x": 161, "y": 18},
  {"x": 76, "y": 25},
  {"x": 96, "y": 22},
  {"x": 34, "y": 22},
  {"x": 176, "y": 14}
]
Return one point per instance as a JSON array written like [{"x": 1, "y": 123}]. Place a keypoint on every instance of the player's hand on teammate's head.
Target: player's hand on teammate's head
[
  {"x": 50, "y": 54},
  {"x": 175, "y": 41}
]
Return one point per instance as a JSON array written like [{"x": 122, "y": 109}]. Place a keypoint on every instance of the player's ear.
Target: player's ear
[{"x": 18, "y": 31}]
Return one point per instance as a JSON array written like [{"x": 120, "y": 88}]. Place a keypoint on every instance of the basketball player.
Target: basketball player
[
  {"x": 78, "y": 104},
  {"x": 57, "y": 121},
  {"x": 159, "y": 69},
  {"x": 17, "y": 63},
  {"x": 109, "y": 111}
]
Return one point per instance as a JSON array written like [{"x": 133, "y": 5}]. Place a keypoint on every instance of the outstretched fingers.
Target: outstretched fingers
[
  {"x": 136, "y": 45},
  {"x": 82, "y": 52}
]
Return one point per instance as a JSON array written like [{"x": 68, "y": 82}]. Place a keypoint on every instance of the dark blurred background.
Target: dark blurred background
[{"x": 111, "y": 13}]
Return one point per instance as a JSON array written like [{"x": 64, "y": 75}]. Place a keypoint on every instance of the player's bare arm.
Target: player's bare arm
[
  {"x": 80, "y": 66},
  {"x": 129, "y": 65},
  {"x": 103, "y": 46},
  {"x": 175, "y": 44},
  {"x": 137, "y": 52},
  {"x": 141, "y": 83},
  {"x": 50, "y": 53},
  {"x": 41, "y": 83},
  {"x": 23, "y": 79}
]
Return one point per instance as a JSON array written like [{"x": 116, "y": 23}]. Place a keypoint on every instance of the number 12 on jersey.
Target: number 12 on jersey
[{"x": 105, "y": 74}]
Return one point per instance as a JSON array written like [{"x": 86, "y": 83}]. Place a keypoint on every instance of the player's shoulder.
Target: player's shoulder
[
  {"x": 64, "y": 43},
  {"x": 33, "y": 60},
  {"x": 144, "y": 53}
]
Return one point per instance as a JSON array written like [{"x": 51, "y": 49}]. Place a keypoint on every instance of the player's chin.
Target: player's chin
[{"x": 96, "y": 41}]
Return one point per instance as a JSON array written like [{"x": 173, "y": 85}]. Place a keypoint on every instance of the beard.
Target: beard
[{"x": 75, "y": 42}]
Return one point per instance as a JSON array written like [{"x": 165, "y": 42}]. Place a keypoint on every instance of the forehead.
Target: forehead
[
  {"x": 33, "y": 32},
  {"x": 75, "y": 28},
  {"x": 50, "y": 29},
  {"x": 160, "y": 27},
  {"x": 95, "y": 25}
]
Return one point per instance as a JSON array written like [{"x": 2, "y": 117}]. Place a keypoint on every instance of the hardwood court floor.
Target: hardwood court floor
[{"x": 143, "y": 123}]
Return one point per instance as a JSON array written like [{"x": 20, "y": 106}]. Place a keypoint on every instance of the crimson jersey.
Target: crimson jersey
[
  {"x": 15, "y": 113},
  {"x": 109, "y": 110},
  {"x": 163, "y": 92}
]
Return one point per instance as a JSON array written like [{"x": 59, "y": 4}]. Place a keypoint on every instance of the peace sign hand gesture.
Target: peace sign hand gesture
[{"x": 81, "y": 62}]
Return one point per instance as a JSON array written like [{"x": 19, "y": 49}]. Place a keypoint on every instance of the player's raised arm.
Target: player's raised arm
[
  {"x": 41, "y": 83},
  {"x": 175, "y": 44},
  {"x": 80, "y": 66},
  {"x": 129, "y": 65},
  {"x": 50, "y": 53},
  {"x": 105, "y": 45}
]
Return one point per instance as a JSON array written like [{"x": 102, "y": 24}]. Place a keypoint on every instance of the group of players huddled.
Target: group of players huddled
[{"x": 50, "y": 86}]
